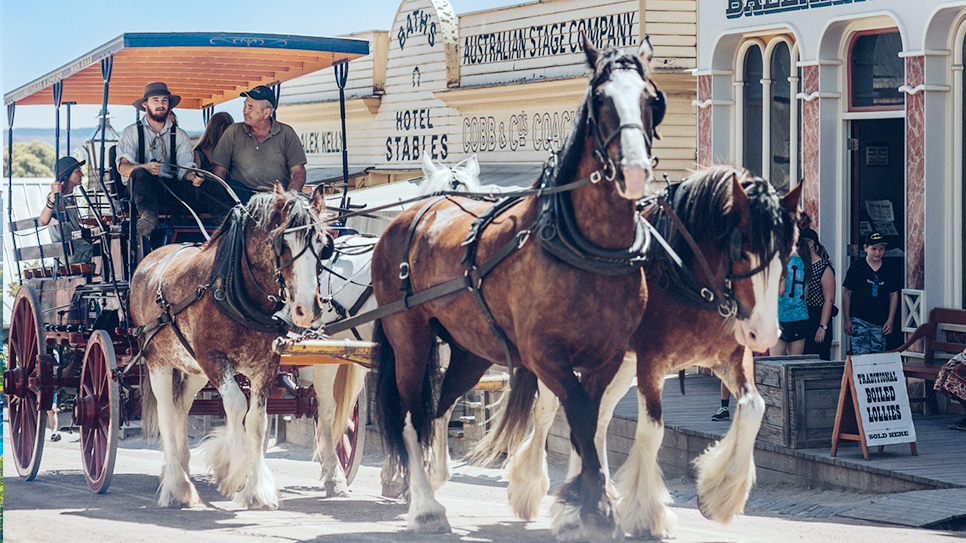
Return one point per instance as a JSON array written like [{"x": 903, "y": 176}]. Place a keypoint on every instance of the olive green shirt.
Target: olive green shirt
[{"x": 259, "y": 165}]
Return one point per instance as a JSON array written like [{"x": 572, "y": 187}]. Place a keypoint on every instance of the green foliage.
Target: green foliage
[{"x": 35, "y": 159}]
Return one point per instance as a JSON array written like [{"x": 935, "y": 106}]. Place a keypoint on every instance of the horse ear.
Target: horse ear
[
  {"x": 472, "y": 167},
  {"x": 428, "y": 167},
  {"x": 790, "y": 200},
  {"x": 740, "y": 202},
  {"x": 589, "y": 50},
  {"x": 645, "y": 51},
  {"x": 318, "y": 199}
]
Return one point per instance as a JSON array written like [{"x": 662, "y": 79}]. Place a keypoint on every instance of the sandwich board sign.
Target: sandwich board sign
[{"x": 873, "y": 404}]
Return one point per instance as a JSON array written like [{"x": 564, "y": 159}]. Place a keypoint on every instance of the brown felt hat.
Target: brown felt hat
[{"x": 157, "y": 89}]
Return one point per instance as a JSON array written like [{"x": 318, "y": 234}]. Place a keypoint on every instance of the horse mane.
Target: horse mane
[
  {"x": 705, "y": 203},
  {"x": 573, "y": 148},
  {"x": 262, "y": 208}
]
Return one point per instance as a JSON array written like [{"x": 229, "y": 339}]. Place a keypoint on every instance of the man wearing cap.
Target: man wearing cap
[
  {"x": 870, "y": 295},
  {"x": 69, "y": 177},
  {"x": 261, "y": 151},
  {"x": 146, "y": 153}
]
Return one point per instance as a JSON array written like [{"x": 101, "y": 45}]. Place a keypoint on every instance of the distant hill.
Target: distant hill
[{"x": 46, "y": 135}]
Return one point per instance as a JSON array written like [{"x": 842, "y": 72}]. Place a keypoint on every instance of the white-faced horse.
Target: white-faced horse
[
  {"x": 710, "y": 314},
  {"x": 346, "y": 291},
  {"x": 205, "y": 314}
]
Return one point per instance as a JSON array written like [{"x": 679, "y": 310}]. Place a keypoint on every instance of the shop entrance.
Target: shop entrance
[{"x": 878, "y": 191}]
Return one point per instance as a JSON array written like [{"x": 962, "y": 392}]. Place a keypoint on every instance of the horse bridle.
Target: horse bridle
[
  {"x": 278, "y": 249},
  {"x": 658, "y": 106},
  {"x": 722, "y": 296}
]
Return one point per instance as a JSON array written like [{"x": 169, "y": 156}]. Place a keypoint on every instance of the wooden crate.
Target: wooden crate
[{"x": 801, "y": 395}]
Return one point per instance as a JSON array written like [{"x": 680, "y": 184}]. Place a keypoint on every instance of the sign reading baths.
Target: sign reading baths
[
  {"x": 748, "y": 8},
  {"x": 550, "y": 39}
]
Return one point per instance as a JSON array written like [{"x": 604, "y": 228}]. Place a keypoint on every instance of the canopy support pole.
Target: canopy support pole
[
  {"x": 11, "y": 107},
  {"x": 107, "y": 64},
  {"x": 341, "y": 74}
]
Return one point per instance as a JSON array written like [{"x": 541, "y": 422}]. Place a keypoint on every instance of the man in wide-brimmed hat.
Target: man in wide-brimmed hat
[
  {"x": 69, "y": 177},
  {"x": 147, "y": 153},
  {"x": 261, "y": 151}
]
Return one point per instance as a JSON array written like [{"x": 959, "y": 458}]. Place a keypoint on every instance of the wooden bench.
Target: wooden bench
[{"x": 937, "y": 345}]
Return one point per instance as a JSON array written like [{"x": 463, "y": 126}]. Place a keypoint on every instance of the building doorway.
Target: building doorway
[{"x": 878, "y": 192}]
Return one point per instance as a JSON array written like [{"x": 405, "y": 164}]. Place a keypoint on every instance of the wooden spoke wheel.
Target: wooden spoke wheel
[
  {"x": 349, "y": 447},
  {"x": 28, "y": 364},
  {"x": 97, "y": 411}
]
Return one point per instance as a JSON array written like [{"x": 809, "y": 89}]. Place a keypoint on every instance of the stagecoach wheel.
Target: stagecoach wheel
[
  {"x": 28, "y": 358},
  {"x": 349, "y": 448},
  {"x": 97, "y": 411}
]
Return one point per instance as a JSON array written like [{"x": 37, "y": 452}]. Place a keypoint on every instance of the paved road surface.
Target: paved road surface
[{"x": 57, "y": 507}]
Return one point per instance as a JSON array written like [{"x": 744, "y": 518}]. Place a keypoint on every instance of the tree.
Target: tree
[{"x": 34, "y": 159}]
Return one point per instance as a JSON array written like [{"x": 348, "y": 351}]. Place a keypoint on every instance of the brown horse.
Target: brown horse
[
  {"x": 220, "y": 298},
  {"x": 711, "y": 316},
  {"x": 557, "y": 316}
]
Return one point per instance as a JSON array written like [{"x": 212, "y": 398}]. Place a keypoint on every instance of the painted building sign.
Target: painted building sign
[
  {"x": 536, "y": 131},
  {"x": 546, "y": 40},
  {"x": 749, "y": 8}
]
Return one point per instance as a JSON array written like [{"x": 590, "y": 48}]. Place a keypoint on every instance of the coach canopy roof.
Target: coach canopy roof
[{"x": 203, "y": 68}]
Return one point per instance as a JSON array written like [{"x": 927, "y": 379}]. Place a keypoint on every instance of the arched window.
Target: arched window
[
  {"x": 877, "y": 71},
  {"x": 752, "y": 143},
  {"x": 781, "y": 122}
]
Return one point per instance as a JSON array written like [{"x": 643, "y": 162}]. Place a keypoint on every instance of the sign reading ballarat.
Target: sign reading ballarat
[
  {"x": 550, "y": 39},
  {"x": 749, "y": 8}
]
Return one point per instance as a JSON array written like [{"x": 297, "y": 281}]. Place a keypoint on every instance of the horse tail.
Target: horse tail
[
  {"x": 388, "y": 401},
  {"x": 681, "y": 381},
  {"x": 512, "y": 421},
  {"x": 348, "y": 383},
  {"x": 149, "y": 408}
]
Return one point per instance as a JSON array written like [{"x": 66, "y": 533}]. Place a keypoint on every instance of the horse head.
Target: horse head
[
  {"x": 745, "y": 234},
  {"x": 624, "y": 109},
  {"x": 463, "y": 177},
  {"x": 758, "y": 249},
  {"x": 298, "y": 245}
]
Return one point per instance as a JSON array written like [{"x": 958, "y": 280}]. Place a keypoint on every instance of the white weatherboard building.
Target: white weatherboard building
[{"x": 860, "y": 100}]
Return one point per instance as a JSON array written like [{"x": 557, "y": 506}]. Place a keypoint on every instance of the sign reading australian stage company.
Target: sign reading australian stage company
[
  {"x": 547, "y": 40},
  {"x": 880, "y": 389},
  {"x": 749, "y": 8}
]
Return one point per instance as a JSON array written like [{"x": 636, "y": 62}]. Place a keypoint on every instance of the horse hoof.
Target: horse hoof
[
  {"x": 393, "y": 489},
  {"x": 565, "y": 523},
  {"x": 336, "y": 490},
  {"x": 430, "y": 523}
]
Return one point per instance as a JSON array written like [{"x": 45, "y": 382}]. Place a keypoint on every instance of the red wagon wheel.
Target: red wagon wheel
[
  {"x": 349, "y": 447},
  {"x": 28, "y": 359},
  {"x": 97, "y": 411}
]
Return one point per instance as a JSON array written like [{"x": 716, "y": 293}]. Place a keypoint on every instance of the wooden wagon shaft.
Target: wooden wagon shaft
[{"x": 308, "y": 352}]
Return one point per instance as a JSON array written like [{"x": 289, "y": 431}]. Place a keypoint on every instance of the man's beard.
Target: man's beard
[{"x": 158, "y": 117}]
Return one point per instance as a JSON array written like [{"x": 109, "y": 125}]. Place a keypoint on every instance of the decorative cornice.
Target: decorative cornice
[{"x": 911, "y": 91}]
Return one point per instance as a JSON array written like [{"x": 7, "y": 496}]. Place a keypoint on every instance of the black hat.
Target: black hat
[
  {"x": 262, "y": 92},
  {"x": 875, "y": 238},
  {"x": 157, "y": 89},
  {"x": 66, "y": 166},
  {"x": 808, "y": 233}
]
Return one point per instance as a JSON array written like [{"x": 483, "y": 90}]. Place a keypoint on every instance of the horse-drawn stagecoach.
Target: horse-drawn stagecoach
[
  {"x": 71, "y": 329},
  {"x": 556, "y": 281}
]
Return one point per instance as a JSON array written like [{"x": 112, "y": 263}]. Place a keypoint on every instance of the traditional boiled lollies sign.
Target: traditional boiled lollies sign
[{"x": 883, "y": 401}]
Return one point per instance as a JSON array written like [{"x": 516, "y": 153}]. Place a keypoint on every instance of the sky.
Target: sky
[{"x": 40, "y": 36}]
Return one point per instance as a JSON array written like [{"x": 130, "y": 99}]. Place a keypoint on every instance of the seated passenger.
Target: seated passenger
[
  {"x": 70, "y": 178},
  {"x": 261, "y": 151},
  {"x": 212, "y": 197},
  {"x": 142, "y": 149}
]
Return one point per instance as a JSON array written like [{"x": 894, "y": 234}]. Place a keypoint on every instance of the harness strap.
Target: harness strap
[
  {"x": 707, "y": 294},
  {"x": 169, "y": 311},
  {"x": 404, "y": 266}
]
